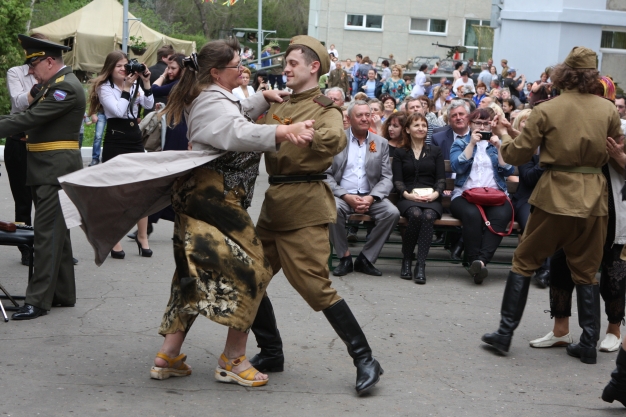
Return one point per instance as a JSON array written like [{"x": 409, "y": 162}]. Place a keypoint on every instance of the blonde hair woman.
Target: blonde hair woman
[
  {"x": 395, "y": 85},
  {"x": 244, "y": 90}
]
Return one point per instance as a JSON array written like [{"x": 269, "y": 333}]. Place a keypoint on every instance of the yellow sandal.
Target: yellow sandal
[
  {"x": 244, "y": 378},
  {"x": 163, "y": 373}
]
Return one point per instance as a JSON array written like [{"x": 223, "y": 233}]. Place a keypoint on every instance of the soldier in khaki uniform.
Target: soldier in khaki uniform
[
  {"x": 570, "y": 200},
  {"x": 298, "y": 207},
  {"x": 52, "y": 123}
]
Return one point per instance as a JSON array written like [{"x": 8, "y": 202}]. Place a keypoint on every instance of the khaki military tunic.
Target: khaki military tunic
[
  {"x": 293, "y": 224},
  {"x": 52, "y": 124},
  {"x": 570, "y": 208}
]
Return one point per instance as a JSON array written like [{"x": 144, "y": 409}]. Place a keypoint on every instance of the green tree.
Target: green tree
[{"x": 13, "y": 17}]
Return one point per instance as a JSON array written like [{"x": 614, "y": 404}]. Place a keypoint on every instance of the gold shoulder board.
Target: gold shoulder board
[{"x": 61, "y": 78}]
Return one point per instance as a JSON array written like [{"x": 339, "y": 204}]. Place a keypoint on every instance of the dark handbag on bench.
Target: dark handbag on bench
[{"x": 485, "y": 196}]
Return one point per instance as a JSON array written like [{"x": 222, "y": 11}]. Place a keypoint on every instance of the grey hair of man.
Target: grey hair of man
[
  {"x": 343, "y": 95},
  {"x": 456, "y": 103},
  {"x": 355, "y": 103}
]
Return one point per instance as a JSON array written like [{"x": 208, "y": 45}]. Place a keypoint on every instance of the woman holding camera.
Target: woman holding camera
[
  {"x": 118, "y": 94},
  {"x": 418, "y": 165},
  {"x": 477, "y": 162}
]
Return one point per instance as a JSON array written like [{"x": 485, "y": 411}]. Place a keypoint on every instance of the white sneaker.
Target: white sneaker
[
  {"x": 550, "y": 340},
  {"x": 610, "y": 343}
]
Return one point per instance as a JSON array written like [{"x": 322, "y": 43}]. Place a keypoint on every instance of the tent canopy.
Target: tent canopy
[{"x": 96, "y": 29}]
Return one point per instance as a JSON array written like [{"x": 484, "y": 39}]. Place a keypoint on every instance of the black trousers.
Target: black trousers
[
  {"x": 612, "y": 284},
  {"x": 480, "y": 243},
  {"x": 15, "y": 161},
  {"x": 276, "y": 80}
]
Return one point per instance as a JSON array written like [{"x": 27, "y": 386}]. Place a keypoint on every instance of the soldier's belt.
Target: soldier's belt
[
  {"x": 52, "y": 146},
  {"x": 580, "y": 170},
  {"x": 294, "y": 179}
]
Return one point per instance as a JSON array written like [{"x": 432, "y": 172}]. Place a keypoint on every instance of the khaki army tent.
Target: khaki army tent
[{"x": 96, "y": 29}]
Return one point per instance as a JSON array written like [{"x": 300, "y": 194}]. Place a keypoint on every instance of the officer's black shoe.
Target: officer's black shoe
[
  {"x": 542, "y": 278},
  {"x": 440, "y": 239},
  {"x": 368, "y": 370},
  {"x": 345, "y": 266},
  {"x": 513, "y": 303},
  {"x": 362, "y": 264},
  {"x": 133, "y": 235},
  {"x": 588, "y": 300},
  {"x": 75, "y": 261},
  {"x": 271, "y": 358},
  {"x": 94, "y": 162},
  {"x": 28, "y": 312},
  {"x": 25, "y": 256},
  {"x": 616, "y": 388},
  {"x": 351, "y": 234}
]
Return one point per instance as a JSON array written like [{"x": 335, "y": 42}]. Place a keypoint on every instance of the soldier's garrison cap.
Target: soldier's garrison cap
[
  {"x": 317, "y": 47},
  {"x": 582, "y": 58}
]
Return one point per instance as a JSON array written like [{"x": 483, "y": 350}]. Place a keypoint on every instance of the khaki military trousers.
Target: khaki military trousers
[
  {"x": 582, "y": 240},
  {"x": 303, "y": 256},
  {"x": 53, "y": 278}
]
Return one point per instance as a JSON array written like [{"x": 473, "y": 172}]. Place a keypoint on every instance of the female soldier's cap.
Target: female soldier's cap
[
  {"x": 317, "y": 47},
  {"x": 582, "y": 58},
  {"x": 36, "y": 48}
]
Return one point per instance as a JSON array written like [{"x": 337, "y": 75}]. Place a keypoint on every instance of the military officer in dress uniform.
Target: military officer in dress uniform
[
  {"x": 298, "y": 206},
  {"x": 570, "y": 201},
  {"x": 52, "y": 124}
]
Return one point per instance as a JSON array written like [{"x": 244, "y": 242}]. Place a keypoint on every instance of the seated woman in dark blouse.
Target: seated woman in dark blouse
[{"x": 417, "y": 164}]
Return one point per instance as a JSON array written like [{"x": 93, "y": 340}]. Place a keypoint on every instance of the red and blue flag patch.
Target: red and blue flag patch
[{"x": 59, "y": 95}]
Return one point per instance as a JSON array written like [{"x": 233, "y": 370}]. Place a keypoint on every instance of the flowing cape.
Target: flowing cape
[{"x": 107, "y": 200}]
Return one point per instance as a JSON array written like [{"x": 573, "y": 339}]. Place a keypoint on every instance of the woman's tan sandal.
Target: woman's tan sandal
[
  {"x": 244, "y": 378},
  {"x": 163, "y": 373}
]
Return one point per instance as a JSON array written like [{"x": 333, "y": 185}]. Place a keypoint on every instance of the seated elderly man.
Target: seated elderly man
[{"x": 360, "y": 178}]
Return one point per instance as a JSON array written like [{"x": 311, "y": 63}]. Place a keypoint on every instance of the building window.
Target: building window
[
  {"x": 364, "y": 22},
  {"x": 613, "y": 40},
  {"x": 478, "y": 40},
  {"x": 430, "y": 26}
]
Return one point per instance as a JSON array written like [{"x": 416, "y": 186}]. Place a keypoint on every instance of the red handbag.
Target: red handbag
[{"x": 485, "y": 196}]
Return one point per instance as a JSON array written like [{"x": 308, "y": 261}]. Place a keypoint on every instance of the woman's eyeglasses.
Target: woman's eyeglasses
[
  {"x": 238, "y": 66},
  {"x": 481, "y": 124}
]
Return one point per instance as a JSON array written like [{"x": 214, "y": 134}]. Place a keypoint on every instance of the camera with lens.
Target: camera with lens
[{"x": 134, "y": 66}]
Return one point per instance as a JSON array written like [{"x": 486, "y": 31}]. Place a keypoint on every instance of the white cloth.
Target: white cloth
[
  {"x": 238, "y": 92},
  {"x": 459, "y": 82},
  {"x": 19, "y": 83},
  {"x": 354, "y": 179},
  {"x": 485, "y": 78},
  {"x": 335, "y": 52},
  {"x": 617, "y": 181},
  {"x": 386, "y": 74},
  {"x": 115, "y": 106},
  {"x": 420, "y": 80},
  {"x": 481, "y": 174}
]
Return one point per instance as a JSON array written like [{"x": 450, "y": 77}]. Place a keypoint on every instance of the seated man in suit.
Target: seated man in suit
[{"x": 360, "y": 178}]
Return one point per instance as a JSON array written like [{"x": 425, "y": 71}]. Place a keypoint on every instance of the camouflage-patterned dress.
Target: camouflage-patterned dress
[{"x": 221, "y": 271}]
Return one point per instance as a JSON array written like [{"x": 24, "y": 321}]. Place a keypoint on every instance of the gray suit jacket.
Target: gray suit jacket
[{"x": 377, "y": 168}]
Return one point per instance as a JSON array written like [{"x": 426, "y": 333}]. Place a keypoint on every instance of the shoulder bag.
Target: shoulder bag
[{"x": 486, "y": 196}]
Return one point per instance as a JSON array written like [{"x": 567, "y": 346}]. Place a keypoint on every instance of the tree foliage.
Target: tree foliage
[{"x": 13, "y": 17}]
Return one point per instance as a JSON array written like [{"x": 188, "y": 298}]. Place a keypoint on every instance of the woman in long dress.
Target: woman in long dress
[{"x": 221, "y": 272}]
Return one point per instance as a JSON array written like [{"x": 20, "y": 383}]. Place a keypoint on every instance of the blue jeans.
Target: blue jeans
[
  {"x": 97, "y": 140},
  {"x": 355, "y": 87}
]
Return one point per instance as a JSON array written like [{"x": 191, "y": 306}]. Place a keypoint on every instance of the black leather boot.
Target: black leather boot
[
  {"x": 513, "y": 303},
  {"x": 368, "y": 370},
  {"x": 405, "y": 271},
  {"x": 271, "y": 358},
  {"x": 616, "y": 388},
  {"x": 420, "y": 273},
  {"x": 588, "y": 299}
]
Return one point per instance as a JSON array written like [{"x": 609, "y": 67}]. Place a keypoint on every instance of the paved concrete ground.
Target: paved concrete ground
[{"x": 93, "y": 359}]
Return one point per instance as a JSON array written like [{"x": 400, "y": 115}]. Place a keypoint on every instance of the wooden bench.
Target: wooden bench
[{"x": 445, "y": 224}]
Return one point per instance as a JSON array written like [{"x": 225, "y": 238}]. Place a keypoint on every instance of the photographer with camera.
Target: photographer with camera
[
  {"x": 478, "y": 164},
  {"x": 118, "y": 90}
]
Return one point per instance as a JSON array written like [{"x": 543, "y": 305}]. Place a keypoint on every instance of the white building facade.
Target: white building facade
[
  {"x": 404, "y": 28},
  {"x": 534, "y": 34}
]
